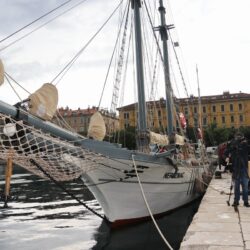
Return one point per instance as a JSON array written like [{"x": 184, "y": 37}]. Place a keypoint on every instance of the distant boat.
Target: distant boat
[{"x": 169, "y": 179}]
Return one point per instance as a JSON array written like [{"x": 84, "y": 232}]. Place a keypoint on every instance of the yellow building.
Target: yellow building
[{"x": 226, "y": 110}]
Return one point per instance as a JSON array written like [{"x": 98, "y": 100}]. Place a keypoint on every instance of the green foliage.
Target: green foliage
[
  {"x": 125, "y": 137},
  {"x": 214, "y": 136},
  {"x": 190, "y": 133},
  {"x": 245, "y": 131}
]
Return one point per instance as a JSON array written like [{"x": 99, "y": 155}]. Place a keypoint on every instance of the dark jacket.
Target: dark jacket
[{"x": 237, "y": 150}]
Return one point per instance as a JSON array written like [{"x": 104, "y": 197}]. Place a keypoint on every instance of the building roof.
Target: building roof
[
  {"x": 226, "y": 96},
  {"x": 67, "y": 112}
]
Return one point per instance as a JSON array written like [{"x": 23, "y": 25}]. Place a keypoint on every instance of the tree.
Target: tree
[{"x": 126, "y": 137}]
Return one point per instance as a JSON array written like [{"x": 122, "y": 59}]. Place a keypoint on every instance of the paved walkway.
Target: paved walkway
[{"x": 216, "y": 225}]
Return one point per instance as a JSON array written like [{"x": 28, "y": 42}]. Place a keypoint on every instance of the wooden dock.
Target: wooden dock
[{"x": 217, "y": 225}]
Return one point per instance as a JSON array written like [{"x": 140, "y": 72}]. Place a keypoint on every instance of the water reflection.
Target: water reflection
[
  {"x": 42, "y": 216},
  {"x": 145, "y": 236}
]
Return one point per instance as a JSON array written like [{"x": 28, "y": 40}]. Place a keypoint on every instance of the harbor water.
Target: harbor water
[{"x": 42, "y": 216}]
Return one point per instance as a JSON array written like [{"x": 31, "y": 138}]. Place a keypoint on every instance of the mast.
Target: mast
[
  {"x": 199, "y": 99},
  {"x": 142, "y": 141},
  {"x": 164, "y": 37},
  {"x": 200, "y": 141}
]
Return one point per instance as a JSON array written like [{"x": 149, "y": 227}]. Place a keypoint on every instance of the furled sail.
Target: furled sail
[
  {"x": 97, "y": 128},
  {"x": 179, "y": 140},
  {"x": 158, "y": 138},
  {"x": 1, "y": 72},
  {"x": 43, "y": 103}
]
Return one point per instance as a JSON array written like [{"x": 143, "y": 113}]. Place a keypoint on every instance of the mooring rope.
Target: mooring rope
[
  {"x": 206, "y": 184},
  {"x": 65, "y": 190},
  {"x": 149, "y": 210}
]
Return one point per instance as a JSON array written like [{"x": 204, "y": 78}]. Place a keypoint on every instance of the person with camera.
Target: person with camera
[{"x": 237, "y": 150}]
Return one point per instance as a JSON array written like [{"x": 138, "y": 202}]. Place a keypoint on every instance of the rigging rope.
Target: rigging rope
[
  {"x": 13, "y": 88},
  {"x": 7, "y": 75},
  {"x": 149, "y": 210},
  {"x": 117, "y": 82},
  {"x": 72, "y": 61},
  {"x": 32, "y": 31},
  {"x": 39, "y": 18},
  {"x": 112, "y": 56}
]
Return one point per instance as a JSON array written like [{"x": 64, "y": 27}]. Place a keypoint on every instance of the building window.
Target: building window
[
  {"x": 186, "y": 111},
  {"x": 159, "y": 113},
  {"x": 232, "y": 118},
  {"x": 240, "y": 106},
  {"x": 82, "y": 120},
  {"x": 126, "y": 125},
  {"x": 223, "y": 120},
  {"x": 214, "y": 109},
  {"x": 195, "y": 110},
  {"x": 204, "y": 121},
  {"x": 204, "y": 109},
  {"x": 222, "y": 108},
  {"x": 231, "y": 107},
  {"x": 241, "y": 118},
  {"x": 126, "y": 116},
  {"x": 195, "y": 122},
  {"x": 214, "y": 119},
  {"x": 81, "y": 129}
]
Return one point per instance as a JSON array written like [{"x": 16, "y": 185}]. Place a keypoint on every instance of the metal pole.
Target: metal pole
[
  {"x": 142, "y": 116},
  {"x": 168, "y": 88}
]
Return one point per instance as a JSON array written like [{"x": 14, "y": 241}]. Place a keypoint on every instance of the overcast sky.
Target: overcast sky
[{"x": 213, "y": 34}]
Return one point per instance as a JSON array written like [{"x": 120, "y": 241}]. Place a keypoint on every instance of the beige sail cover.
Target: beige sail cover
[
  {"x": 43, "y": 103},
  {"x": 1, "y": 72},
  {"x": 156, "y": 138},
  {"x": 97, "y": 128},
  {"x": 179, "y": 140}
]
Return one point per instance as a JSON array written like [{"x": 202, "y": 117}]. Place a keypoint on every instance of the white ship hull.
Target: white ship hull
[{"x": 121, "y": 198}]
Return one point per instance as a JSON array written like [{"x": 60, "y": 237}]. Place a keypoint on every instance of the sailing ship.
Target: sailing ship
[{"x": 168, "y": 179}]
